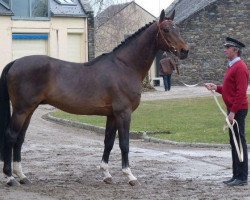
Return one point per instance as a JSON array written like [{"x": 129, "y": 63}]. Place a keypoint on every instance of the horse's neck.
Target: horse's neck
[{"x": 140, "y": 52}]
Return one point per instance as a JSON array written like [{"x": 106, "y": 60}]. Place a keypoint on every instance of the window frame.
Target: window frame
[
  {"x": 5, "y": 4},
  {"x": 66, "y": 4},
  {"x": 31, "y": 18}
]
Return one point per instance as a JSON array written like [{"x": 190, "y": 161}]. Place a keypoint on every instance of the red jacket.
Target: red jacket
[{"x": 234, "y": 88}]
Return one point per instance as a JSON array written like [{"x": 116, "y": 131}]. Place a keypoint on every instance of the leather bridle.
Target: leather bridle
[{"x": 167, "y": 43}]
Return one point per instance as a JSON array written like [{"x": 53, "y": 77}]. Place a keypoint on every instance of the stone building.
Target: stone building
[
  {"x": 116, "y": 23},
  {"x": 204, "y": 24},
  {"x": 57, "y": 28}
]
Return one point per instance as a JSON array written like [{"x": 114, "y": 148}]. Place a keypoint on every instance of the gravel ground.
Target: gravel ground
[{"x": 62, "y": 163}]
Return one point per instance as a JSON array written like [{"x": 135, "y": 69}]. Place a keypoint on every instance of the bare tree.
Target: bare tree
[{"x": 99, "y": 5}]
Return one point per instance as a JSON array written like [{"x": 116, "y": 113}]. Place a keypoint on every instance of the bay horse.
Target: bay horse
[{"x": 110, "y": 85}]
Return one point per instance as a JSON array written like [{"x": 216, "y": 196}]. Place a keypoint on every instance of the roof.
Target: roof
[
  {"x": 108, "y": 13},
  {"x": 81, "y": 8},
  {"x": 76, "y": 10},
  {"x": 111, "y": 11},
  {"x": 86, "y": 6},
  {"x": 185, "y": 8}
]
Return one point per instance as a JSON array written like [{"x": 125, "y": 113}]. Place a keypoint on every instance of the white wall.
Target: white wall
[{"x": 57, "y": 28}]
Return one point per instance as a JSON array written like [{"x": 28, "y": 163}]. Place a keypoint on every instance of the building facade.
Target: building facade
[{"x": 57, "y": 28}]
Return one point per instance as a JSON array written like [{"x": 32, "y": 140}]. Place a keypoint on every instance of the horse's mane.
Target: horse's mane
[
  {"x": 95, "y": 59},
  {"x": 124, "y": 42}
]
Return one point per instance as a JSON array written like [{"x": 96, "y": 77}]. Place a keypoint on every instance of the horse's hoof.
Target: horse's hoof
[
  {"x": 134, "y": 183},
  {"x": 13, "y": 183},
  {"x": 108, "y": 180},
  {"x": 25, "y": 181}
]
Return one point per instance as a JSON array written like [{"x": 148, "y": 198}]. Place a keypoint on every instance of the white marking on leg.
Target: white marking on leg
[
  {"x": 17, "y": 169},
  {"x": 10, "y": 178},
  {"x": 127, "y": 172},
  {"x": 105, "y": 169}
]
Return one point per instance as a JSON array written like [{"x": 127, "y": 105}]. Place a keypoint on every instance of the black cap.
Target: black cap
[{"x": 230, "y": 42}]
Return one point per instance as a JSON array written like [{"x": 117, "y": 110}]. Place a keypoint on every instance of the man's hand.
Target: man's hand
[
  {"x": 211, "y": 86},
  {"x": 231, "y": 116}
]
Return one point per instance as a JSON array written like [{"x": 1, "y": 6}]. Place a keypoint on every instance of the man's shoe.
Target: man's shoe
[
  {"x": 229, "y": 181},
  {"x": 237, "y": 182}
]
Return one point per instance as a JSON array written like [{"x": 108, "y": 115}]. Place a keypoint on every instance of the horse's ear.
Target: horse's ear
[
  {"x": 162, "y": 16},
  {"x": 172, "y": 15}
]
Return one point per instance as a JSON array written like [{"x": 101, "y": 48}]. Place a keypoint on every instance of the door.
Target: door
[
  {"x": 29, "y": 44},
  {"x": 75, "y": 48}
]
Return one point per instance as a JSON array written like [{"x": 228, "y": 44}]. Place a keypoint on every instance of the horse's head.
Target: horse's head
[{"x": 169, "y": 38}]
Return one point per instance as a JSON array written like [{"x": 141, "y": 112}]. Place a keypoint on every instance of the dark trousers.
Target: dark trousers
[
  {"x": 240, "y": 169},
  {"x": 167, "y": 82}
]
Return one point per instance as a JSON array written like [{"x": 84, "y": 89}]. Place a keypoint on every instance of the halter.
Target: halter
[{"x": 166, "y": 42}]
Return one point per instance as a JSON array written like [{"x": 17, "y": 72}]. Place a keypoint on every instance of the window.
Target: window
[
  {"x": 21, "y": 8},
  {"x": 66, "y": 2},
  {"x": 39, "y": 8},
  {"x": 30, "y": 8}
]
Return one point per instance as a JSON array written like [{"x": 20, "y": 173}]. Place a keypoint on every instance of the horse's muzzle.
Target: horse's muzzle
[{"x": 183, "y": 54}]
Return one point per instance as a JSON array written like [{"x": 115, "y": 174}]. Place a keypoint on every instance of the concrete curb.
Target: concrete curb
[
  {"x": 66, "y": 122},
  {"x": 183, "y": 144},
  {"x": 145, "y": 136},
  {"x": 97, "y": 129}
]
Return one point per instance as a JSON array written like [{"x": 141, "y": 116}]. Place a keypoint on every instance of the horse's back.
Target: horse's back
[
  {"x": 31, "y": 78},
  {"x": 72, "y": 87}
]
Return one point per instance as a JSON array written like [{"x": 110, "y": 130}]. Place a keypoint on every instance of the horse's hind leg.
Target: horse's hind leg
[
  {"x": 11, "y": 135},
  {"x": 17, "y": 168},
  {"x": 110, "y": 133}
]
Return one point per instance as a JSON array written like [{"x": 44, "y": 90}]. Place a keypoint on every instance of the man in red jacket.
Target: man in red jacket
[{"x": 234, "y": 94}]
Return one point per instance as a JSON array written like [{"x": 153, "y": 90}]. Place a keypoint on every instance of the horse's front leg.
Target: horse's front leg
[
  {"x": 123, "y": 124},
  {"x": 110, "y": 133}
]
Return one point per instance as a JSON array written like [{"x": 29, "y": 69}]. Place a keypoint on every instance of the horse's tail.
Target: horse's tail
[{"x": 4, "y": 108}]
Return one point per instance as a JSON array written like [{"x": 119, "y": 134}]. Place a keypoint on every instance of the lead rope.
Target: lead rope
[
  {"x": 194, "y": 85},
  {"x": 187, "y": 85},
  {"x": 238, "y": 147}
]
